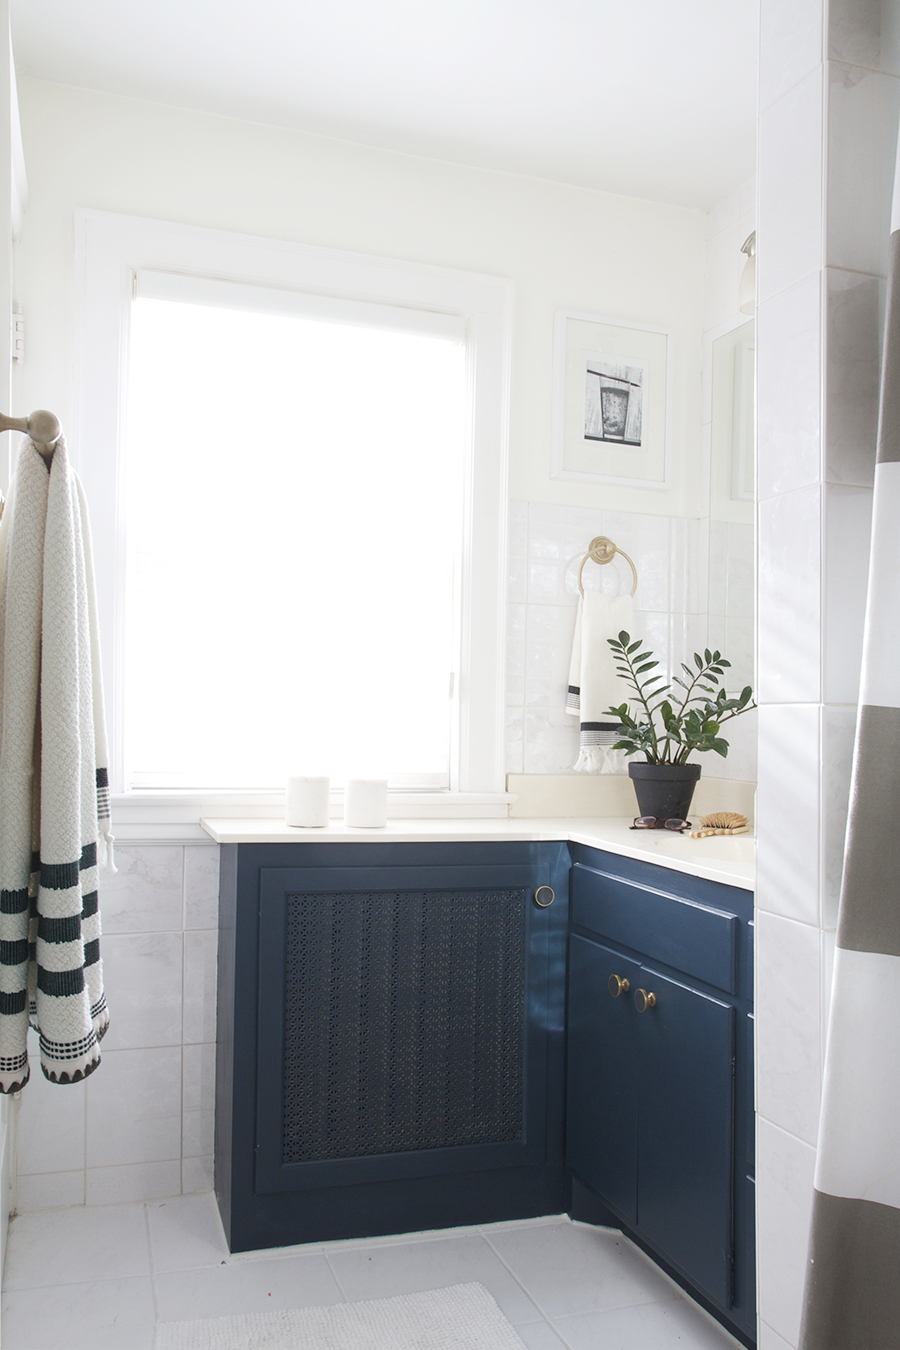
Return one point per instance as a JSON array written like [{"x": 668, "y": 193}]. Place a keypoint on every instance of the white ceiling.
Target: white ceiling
[{"x": 654, "y": 98}]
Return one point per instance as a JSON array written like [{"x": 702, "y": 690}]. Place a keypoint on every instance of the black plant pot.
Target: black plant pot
[{"x": 664, "y": 790}]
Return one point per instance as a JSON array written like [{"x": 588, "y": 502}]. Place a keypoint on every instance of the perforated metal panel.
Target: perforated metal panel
[{"x": 404, "y": 1021}]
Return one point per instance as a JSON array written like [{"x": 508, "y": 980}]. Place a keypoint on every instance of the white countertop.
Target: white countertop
[{"x": 727, "y": 858}]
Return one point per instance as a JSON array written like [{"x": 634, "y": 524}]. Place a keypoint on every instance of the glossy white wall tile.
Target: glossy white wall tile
[
  {"x": 789, "y": 602},
  {"x": 862, "y": 136},
  {"x": 790, "y": 186},
  {"x": 853, "y": 322},
  {"x": 785, "y": 1168},
  {"x": 201, "y": 886},
  {"x": 848, "y": 529},
  {"x": 790, "y": 45},
  {"x": 139, "y": 1181},
  {"x": 146, "y": 893},
  {"x": 789, "y": 374},
  {"x": 134, "y": 1108},
  {"x": 788, "y": 1038},
  {"x": 200, "y": 986},
  {"x": 50, "y": 1190},
  {"x": 143, "y": 978},
  {"x": 865, "y": 33},
  {"x": 788, "y": 811}
]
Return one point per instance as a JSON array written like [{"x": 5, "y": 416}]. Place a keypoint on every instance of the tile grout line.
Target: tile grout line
[
  {"x": 146, "y": 1209},
  {"x": 334, "y": 1276},
  {"x": 527, "y": 1292}
]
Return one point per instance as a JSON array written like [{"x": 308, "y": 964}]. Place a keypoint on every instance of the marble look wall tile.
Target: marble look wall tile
[
  {"x": 142, "y": 1181},
  {"x": 789, "y": 362},
  {"x": 197, "y": 1175},
  {"x": 134, "y": 1108},
  {"x": 551, "y": 741},
  {"x": 853, "y": 323},
  {"x": 198, "y": 1134},
  {"x": 198, "y": 1097},
  {"x": 788, "y": 811},
  {"x": 865, "y": 33},
  {"x": 862, "y": 135},
  {"x": 143, "y": 978},
  {"x": 790, "y": 191},
  {"x": 145, "y": 894},
  {"x": 51, "y": 1122},
  {"x": 788, "y": 1040},
  {"x": 49, "y": 1190},
  {"x": 200, "y": 987},
  {"x": 838, "y": 733},
  {"x": 848, "y": 530},
  {"x": 201, "y": 886},
  {"x": 789, "y": 604},
  {"x": 785, "y": 1169},
  {"x": 790, "y": 45}
]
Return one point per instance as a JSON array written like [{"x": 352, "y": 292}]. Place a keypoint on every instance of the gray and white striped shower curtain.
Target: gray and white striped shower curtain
[{"x": 852, "y": 1296}]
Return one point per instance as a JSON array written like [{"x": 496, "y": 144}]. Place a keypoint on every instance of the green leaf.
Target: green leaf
[
  {"x": 624, "y": 638},
  {"x": 699, "y": 660},
  {"x": 634, "y": 646},
  {"x": 708, "y": 655},
  {"x": 723, "y": 662},
  {"x": 720, "y": 747}
]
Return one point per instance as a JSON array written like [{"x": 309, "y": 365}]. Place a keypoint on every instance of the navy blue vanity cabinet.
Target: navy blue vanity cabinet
[
  {"x": 659, "y": 1071},
  {"x": 391, "y": 1037}
]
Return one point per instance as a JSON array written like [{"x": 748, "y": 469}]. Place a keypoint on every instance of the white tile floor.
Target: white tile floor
[{"x": 99, "y": 1278}]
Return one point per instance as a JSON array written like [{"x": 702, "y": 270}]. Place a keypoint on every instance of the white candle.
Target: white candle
[
  {"x": 365, "y": 802},
  {"x": 308, "y": 801}
]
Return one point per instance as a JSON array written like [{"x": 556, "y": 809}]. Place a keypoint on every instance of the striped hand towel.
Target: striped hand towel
[
  {"x": 594, "y": 684},
  {"x": 54, "y": 794}
]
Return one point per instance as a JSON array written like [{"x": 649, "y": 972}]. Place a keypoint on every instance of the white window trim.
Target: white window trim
[{"x": 110, "y": 250}]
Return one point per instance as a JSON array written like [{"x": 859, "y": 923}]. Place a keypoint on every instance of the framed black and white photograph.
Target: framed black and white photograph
[{"x": 611, "y": 401}]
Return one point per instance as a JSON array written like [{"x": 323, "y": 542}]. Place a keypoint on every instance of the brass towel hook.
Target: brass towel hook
[{"x": 602, "y": 550}]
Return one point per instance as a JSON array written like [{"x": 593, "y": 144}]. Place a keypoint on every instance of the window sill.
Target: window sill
[{"x": 174, "y": 817}]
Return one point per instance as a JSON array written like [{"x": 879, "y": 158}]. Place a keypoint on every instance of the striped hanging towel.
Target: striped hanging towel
[
  {"x": 594, "y": 684},
  {"x": 54, "y": 793}
]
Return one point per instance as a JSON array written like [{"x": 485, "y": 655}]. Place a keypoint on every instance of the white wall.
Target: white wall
[{"x": 563, "y": 247}]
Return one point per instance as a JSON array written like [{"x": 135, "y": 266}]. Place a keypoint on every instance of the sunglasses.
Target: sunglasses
[{"x": 655, "y": 823}]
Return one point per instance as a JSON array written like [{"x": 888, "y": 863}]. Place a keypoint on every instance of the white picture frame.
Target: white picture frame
[{"x": 612, "y": 400}]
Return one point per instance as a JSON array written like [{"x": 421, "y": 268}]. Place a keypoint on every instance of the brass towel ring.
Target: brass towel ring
[{"x": 602, "y": 550}]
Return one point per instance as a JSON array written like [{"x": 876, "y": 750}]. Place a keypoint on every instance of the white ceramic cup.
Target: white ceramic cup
[
  {"x": 308, "y": 801},
  {"x": 365, "y": 802}
]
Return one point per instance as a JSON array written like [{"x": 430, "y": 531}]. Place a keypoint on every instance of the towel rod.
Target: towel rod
[
  {"x": 602, "y": 550},
  {"x": 43, "y": 427}
]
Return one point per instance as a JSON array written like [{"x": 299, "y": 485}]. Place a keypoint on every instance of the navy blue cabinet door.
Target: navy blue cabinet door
[
  {"x": 602, "y": 1132},
  {"x": 686, "y": 1128}
]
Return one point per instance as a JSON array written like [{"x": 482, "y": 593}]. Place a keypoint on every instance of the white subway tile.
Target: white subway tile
[
  {"x": 788, "y": 811},
  {"x": 790, "y": 191},
  {"x": 201, "y": 886},
  {"x": 646, "y": 540},
  {"x": 788, "y": 1041},
  {"x": 790, "y": 45},
  {"x": 785, "y": 1168},
  {"x": 789, "y": 364},
  {"x": 143, "y": 978},
  {"x": 145, "y": 894},
  {"x": 789, "y": 615},
  {"x": 140, "y": 1181},
  {"x": 200, "y": 987},
  {"x": 134, "y": 1108}
]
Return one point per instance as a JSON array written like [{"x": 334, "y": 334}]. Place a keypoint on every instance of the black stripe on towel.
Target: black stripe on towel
[
  {"x": 14, "y": 902},
  {"x": 89, "y": 904},
  {"x": 10, "y": 1004},
  {"x": 13, "y": 953},
  {"x": 600, "y": 726},
  {"x": 60, "y": 930},
  {"x": 92, "y": 952},
  {"x": 68, "y": 1049},
  {"x": 11, "y": 1063},
  {"x": 59, "y": 876},
  {"x": 88, "y": 857},
  {"x": 60, "y": 983}
]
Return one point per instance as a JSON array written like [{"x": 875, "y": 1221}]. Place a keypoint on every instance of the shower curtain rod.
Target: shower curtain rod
[{"x": 43, "y": 427}]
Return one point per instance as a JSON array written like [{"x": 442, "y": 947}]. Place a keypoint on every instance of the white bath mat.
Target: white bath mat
[{"x": 462, "y": 1317}]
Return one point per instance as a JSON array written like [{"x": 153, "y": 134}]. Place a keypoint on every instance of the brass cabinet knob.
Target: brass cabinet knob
[
  {"x": 542, "y": 900},
  {"x": 643, "y": 1000},
  {"x": 617, "y": 986}
]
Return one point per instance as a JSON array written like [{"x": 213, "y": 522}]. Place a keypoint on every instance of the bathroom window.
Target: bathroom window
[{"x": 296, "y": 468}]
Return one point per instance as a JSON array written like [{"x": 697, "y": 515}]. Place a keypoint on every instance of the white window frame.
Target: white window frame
[{"x": 111, "y": 250}]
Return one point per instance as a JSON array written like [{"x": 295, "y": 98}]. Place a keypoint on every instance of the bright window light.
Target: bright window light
[{"x": 293, "y": 493}]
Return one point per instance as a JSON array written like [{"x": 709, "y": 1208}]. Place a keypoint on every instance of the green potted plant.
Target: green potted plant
[{"x": 666, "y": 730}]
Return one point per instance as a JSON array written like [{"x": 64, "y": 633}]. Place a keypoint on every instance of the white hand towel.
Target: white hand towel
[{"x": 594, "y": 683}]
